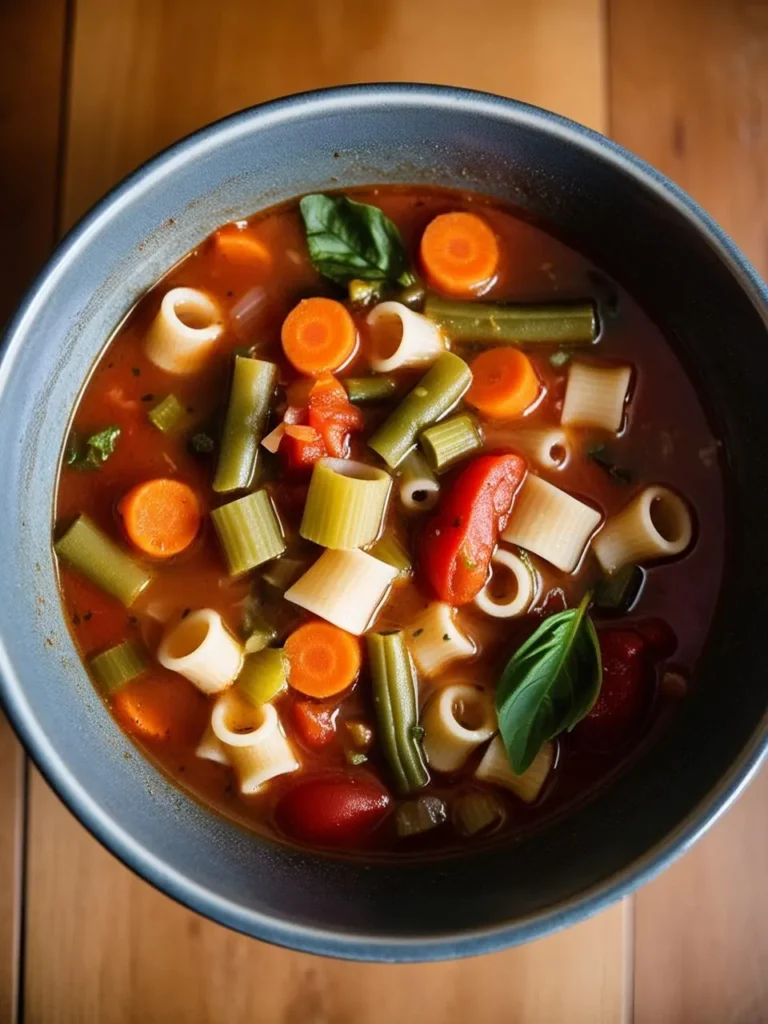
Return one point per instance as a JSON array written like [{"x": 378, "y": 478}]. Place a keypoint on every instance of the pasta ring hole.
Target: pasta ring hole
[
  {"x": 189, "y": 635},
  {"x": 668, "y": 518},
  {"x": 470, "y": 714},
  {"x": 193, "y": 315},
  {"x": 386, "y": 335},
  {"x": 558, "y": 454},
  {"x": 502, "y": 588}
]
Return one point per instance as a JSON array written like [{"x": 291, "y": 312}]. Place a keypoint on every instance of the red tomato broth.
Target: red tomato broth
[{"x": 665, "y": 439}]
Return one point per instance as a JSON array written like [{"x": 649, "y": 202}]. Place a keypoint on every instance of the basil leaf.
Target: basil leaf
[
  {"x": 602, "y": 457},
  {"x": 96, "y": 450},
  {"x": 349, "y": 240},
  {"x": 549, "y": 684}
]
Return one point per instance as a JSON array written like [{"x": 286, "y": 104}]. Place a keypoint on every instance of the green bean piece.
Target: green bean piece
[
  {"x": 415, "y": 817},
  {"x": 413, "y": 296},
  {"x": 477, "y": 812},
  {"x": 253, "y": 383},
  {"x": 249, "y": 531},
  {"x": 263, "y": 675},
  {"x": 619, "y": 592},
  {"x": 119, "y": 665},
  {"x": 450, "y": 441},
  {"x": 390, "y": 549},
  {"x": 167, "y": 415},
  {"x": 362, "y": 390},
  {"x": 89, "y": 551},
  {"x": 565, "y": 323},
  {"x": 394, "y": 700},
  {"x": 435, "y": 395}
]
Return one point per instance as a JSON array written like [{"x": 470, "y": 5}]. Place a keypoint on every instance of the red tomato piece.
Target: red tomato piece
[
  {"x": 332, "y": 809},
  {"x": 330, "y": 413},
  {"x": 316, "y": 723},
  {"x": 626, "y": 692},
  {"x": 459, "y": 540}
]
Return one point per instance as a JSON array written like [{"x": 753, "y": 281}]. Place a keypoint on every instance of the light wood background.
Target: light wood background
[{"x": 88, "y": 89}]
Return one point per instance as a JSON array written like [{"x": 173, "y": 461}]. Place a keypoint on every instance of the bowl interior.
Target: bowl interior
[{"x": 624, "y": 218}]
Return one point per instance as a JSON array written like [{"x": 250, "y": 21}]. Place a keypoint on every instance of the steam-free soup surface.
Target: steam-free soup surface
[{"x": 362, "y": 758}]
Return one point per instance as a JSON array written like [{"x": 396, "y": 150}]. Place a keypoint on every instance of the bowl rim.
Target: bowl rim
[{"x": 107, "y": 829}]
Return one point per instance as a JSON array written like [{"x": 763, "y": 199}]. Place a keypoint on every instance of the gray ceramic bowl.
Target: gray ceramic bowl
[{"x": 629, "y": 220}]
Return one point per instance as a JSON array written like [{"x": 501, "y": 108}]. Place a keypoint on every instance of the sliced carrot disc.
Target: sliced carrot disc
[
  {"x": 238, "y": 245},
  {"x": 318, "y": 336},
  {"x": 161, "y": 517},
  {"x": 504, "y": 383},
  {"x": 324, "y": 659},
  {"x": 459, "y": 253}
]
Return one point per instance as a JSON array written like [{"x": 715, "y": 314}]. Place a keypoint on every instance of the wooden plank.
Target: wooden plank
[
  {"x": 31, "y": 54},
  {"x": 101, "y": 945},
  {"x": 689, "y": 92}
]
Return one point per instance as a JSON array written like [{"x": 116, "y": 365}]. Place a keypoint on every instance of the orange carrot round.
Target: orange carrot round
[
  {"x": 459, "y": 254},
  {"x": 238, "y": 245},
  {"x": 160, "y": 708},
  {"x": 324, "y": 659},
  {"x": 504, "y": 383},
  {"x": 161, "y": 517},
  {"x": 318, "y": 336}
]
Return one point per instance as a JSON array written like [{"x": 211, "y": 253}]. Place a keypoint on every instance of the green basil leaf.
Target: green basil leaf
[
  {"x": 549, "y": 684},
  {"x": 349, "y": 240},
  {"x": 96, "y": 450}
]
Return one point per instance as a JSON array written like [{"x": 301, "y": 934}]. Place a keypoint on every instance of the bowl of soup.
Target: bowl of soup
[{"x": 384, "y": 493}]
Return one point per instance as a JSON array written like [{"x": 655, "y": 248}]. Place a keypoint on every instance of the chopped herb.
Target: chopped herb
[
  {"x": 185, "y": 613},
  {"x": 87, "y": 617},
  {"x": 135, "y": 371},
  {"x": 417, "y": 632},
  {"x": 75, "y": 619},
  {"x": 96, "y": 450},
  {"x": 457, "y": 522},
  {"x": 446, "y": 636},
  {"x": 417, "y": 732},
  {"x": 355, "y": 757},
  {"x": 600, "y": 455},
  {"x": 558, "y": 359},
  {"x": 148, "y": 398},
  {"x": 132, "y": 620},
  {"x": 203, "y": 444}
]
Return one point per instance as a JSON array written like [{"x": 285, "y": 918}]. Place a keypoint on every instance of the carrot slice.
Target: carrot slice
[
  {"x": 238, "y": 245},
  {"x": 504, "y": 383},
  {"x": 160, "y": 708},
  {"x": 318, "y": 336},
  {"x": 324, "y": 659},
  {"x": 161, "y": 517},
  {"x": 459, "y": 253}
]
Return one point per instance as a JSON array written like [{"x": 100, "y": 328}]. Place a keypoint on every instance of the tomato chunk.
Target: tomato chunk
[
  {"x": 332, "y": 809},
  {"x": 332, "y": 418},
  {"x": 316, "y": 723},
  {"x": 626, "y": 692},
  {"x": 458, "y": 542}
]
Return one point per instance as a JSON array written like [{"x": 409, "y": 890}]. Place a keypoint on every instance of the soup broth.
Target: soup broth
[{"x": 334, "y": 659}]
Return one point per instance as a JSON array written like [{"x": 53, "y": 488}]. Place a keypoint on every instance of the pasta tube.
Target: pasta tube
[
  {"x": 201, "y": 648},
  {"x": 551, "y": 523},
  {"x": 595, "y": 396},
  {"x": 435, "y": 640},
  {"x": 182, "y": 335},
  {"x": 418, "y": 486},
  {"x": 456, "y": 721},
  {"x": 253, "y": 740},
  {"x": 344, "y": 587},
  {"x": 400, "y": 337},
  {"x": 495, "y": 767},
  {"x": 657, "y": 523},
  {"x": 523, "y": 592}
]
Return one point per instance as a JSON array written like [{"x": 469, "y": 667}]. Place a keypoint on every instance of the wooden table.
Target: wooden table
[{"x": 88, "y": 89}]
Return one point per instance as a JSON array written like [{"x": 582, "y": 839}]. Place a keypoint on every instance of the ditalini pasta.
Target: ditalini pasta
[
  {"x": 400, "y": 337},
  {"x": 596, "y": 396},
  {"x": 551, "y": 523},
  {"x": 370, "y": 465},
  {"x": 495, "y": 768},
  {"x": 522, "y": 593},
  {"x": 550, "y": 448},
  {"x": 456, "y": 720},
  {"x": 253, "y": 739},
  {"x": 657, "y": 523},
  {"x": 346, "y": 503},
  {"x": 202, "y": 649},
  {"x": 418, "y": 486},
  {"x": 344, "y": 587},
  {"x": 184, "y": 331},
  {"x": 435, "y": 640},
  {"x": 210, "y": 747}
]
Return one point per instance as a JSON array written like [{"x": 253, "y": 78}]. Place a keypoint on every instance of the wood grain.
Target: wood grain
[
  {"x": 689, "y": 92},
  {"x": 31, "y": 52},
  {"x": 101, "y": 945}
]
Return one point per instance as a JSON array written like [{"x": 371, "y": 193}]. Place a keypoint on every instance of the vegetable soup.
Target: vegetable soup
[{"x": 387, "y": 522}]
